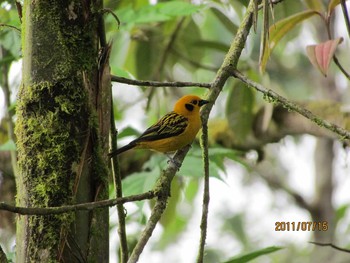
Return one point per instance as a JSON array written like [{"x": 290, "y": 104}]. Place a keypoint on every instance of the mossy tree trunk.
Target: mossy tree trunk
[{"x": 62, "y": 132}]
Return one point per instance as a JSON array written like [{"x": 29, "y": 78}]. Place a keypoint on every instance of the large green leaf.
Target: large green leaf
[
  {"x": 341, "y": 212},
  {"x": 250, "y": 256},
  {"x": 193, "y": 167},
  {"x": 11, "y": 40},
  {"x": 279, "y": 30},
  {"x": 138, "y": 183},
  {"x": 239, "y": 109},
  {"x": 147, "y": 54},
  {"x": 316, "y": 5},
  {"x": 186, "y": 42},
  {"x": 225, "y": 21},
  {"x": 235, "y": 224},
  {"x": 332, "y": 4},
  {"x": 215, "y": 45},
  {"x": 178, "y": 8},
  {"x": 174, "y": 223},
  {"x": 128, "y": 131},
  {"x": 156, "y": 13}
]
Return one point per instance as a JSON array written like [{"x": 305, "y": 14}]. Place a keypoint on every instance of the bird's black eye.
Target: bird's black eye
[
  {"x": 189, "y": 107},
  {"x": 194, "y": 102}
]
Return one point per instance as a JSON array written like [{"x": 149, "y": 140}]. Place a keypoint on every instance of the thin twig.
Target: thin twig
[
  {"x": 336, "y": 61},
  {"x": 274, "y": 97},
  {"x": 77, "y": 207},
  {"x": 230, "y": 60},
  {"x": 150, "y": 83},
  {"x": 124, "y": 251},
  {"x": 330, "y": 245},
  {"x": 158, "y": 72},
  {"x": 206, "y": 193},
  {"x": 10, "y": 26},
  {"x": 168, "y": 47},
  {"x": 346, "y": 15},
  {"x": 110, "y": 11}
]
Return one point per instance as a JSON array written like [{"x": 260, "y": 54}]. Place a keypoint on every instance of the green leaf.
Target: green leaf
[
  {"x": 8, "y": 146},
  {"x": 193, "y": 167},
  {"x": 250, "y": 256},
  {"x": 120, "y": 72},
  {"x": 156, "y": 13},
  {"x": 213, "y": 45},
  {"x": 235, "y": 224},
  {"x": 225, "y": 21},
  {"x": 239, "y": 109},
  {"x": 138, "y": 183},
  {"x": 316, "y": 5},
  {"x": 341, "y": 212},
  {"x": 191, "y": 189},
  {"x": 150, "y": 14},
  {"x": 186, "y": 41},
  {"x": 172, "y": 222},
  {"x": 332, "y": 4},
  {"x": 218, "y": 156},
  {"x": 177, "y": 8},
  {"x": 128, "y": 131},
  {"x": 147, "y": 52},
  {"x": 11, "y": 40},
  {"x": 279, "y": 30}
]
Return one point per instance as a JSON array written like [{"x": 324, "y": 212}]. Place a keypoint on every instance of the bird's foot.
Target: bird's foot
[{"x": 174, "y": 162}]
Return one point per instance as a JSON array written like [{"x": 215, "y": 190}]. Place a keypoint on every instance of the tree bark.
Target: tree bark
[
  {"x": 59, "y": 133},
  {"x": 323, "y": 206}
]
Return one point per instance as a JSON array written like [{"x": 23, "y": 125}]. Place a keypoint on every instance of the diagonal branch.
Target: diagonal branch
[
  {"x": 162, "y": 190},
  {"x": 230, "y": 61},
  {"x": 272, "y": 96}
]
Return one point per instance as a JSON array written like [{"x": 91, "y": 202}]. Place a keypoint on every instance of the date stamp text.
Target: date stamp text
[{"x": 301, "y": 226}]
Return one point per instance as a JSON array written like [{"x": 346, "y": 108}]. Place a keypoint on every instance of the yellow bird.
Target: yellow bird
[{"x": 173, "y": 131}]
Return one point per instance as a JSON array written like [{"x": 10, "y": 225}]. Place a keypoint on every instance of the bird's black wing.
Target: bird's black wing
[{"x": 171, "y": 124}]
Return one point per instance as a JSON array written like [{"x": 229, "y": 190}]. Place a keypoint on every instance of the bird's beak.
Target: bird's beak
[{"x": 202, "y": 102}]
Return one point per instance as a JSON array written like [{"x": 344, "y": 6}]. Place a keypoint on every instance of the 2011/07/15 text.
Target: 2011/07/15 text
[{"x": 301, "y": 226}]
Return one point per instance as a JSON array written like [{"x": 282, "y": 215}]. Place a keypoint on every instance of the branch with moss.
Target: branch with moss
[
  {"x": 273, "y": 97},
  {"x": 150, "y": 83},
  {"x": 77, "y": 207}
]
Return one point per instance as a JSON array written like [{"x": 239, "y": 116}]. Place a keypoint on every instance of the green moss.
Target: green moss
[
  {"x": 269, "y": 98},
  {"x": 54, "y": 116},
  {"x": 49, "y": 140},
  {"x": 71, "y": 39}
]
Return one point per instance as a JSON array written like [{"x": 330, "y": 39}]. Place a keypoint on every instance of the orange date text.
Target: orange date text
[{"x": 301, "y": 226}]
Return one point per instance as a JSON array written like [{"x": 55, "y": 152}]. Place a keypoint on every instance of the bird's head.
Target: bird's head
[{"x": 189, "y": 105}]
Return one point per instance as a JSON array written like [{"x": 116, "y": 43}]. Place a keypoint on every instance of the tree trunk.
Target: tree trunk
[
  {"x": 323, "y": 202},
  {"x": 60, "y": 133}
]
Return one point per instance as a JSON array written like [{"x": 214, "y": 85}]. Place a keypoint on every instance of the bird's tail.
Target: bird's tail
[{"x": 122, "y": 149}]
